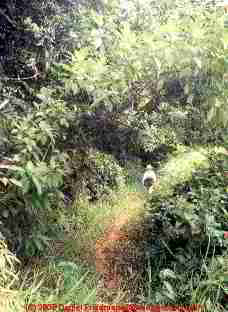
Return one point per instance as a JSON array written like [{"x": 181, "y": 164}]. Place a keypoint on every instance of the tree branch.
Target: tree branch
[
  {"x": 20, "y": 78},
  {"x": 7, "y": 17}
]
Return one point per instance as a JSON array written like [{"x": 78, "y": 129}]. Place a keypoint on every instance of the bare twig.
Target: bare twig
[
  {"x": 20, "y": 78},
  {"x": 4, "y": 103},
  {"x": 7, "y": 17}
]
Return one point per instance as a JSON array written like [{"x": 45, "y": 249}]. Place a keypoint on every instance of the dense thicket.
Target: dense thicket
[{"x": 92, "y": 88}]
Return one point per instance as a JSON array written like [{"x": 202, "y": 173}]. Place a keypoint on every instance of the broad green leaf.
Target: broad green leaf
[{"x": 29, "y": 167}]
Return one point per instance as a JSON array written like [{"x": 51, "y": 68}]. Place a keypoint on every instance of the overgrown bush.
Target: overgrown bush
[
  {"x": 97, "y": 174},
  {"x": 85, "y": 90},
  {"x": 185, "y": 235},
  {"x": 142, "y": 71},
  {"x": 33, "y": 175},
  {"x": 177, "y": 247}
]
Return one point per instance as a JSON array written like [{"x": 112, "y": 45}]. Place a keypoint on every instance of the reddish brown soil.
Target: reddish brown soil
[{"x": 107, "y": 252}]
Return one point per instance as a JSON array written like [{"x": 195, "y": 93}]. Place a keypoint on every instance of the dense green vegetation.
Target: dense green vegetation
[{"x": 91, "y": 94}]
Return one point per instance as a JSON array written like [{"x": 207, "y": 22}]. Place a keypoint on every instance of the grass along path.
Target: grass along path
[
  {"x": 128, "y": 207},
  {"x": 94, "y": 230}
]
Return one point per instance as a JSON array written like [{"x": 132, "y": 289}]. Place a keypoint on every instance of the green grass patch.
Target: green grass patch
[{"x": 179, "y": 168}]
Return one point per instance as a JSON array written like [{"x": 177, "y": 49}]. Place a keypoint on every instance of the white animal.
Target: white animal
[{"x": 149, "y": 178}]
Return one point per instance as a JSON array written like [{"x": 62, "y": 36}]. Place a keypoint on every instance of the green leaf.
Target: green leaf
[
  {"x": 170, "y": 58},
  {"x": 14, "y": 168},
  {"x": 45, "y": 239},
  {"x": 198, "y": 62},
  {"x": 26, "y": 185},
  {"x": 37, "y": 184},
  {"x": 29, "y": 167},
  {"x": 64, "y": 122},
  {"x": 38, "y": 244},
  {"x": 16, "y": 182},
  {"x": 36, "y": 203},
  {"x": 160, "y": 84},
  {"x": 211, "y": 114},
  {"x": 166, "y": 273},
  {"x": 170, "y": 292}
]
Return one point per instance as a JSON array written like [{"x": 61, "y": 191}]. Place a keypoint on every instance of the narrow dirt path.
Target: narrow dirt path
[{"x": 113, "y": 243}]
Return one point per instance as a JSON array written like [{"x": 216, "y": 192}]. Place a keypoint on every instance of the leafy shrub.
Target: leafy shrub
[
  {"x": 34, "y": 186},
  {"x": 143, "y": 71},
  {"x": 98, "y": 172},
  {"x": 33, "y": 175},
  {"x": 77, "y": 287},
  {"x": 178, "y": 246},
  {"x": 184, "y": 233},
  {"x": 146, "y": 76}
]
